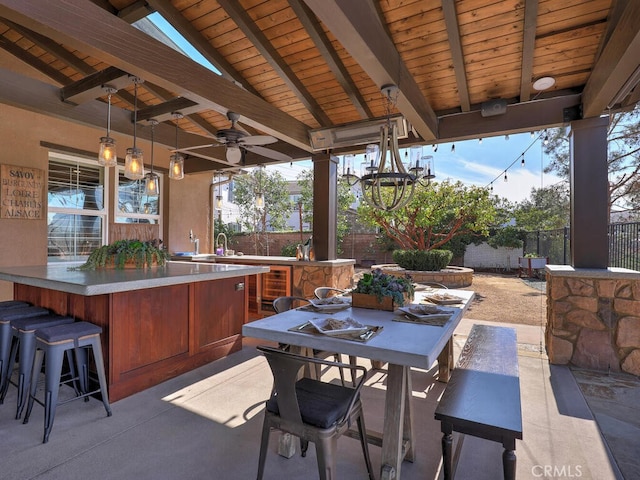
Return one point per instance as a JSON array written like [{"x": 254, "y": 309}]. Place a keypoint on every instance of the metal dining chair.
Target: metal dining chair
[
  {"x": 312, "y": 410},
  {"x": 282, "y": 304},
  {"x": 324, "y": 292}
]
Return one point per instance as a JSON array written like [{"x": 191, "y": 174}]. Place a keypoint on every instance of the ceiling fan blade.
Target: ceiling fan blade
[
  {"x": 267, "y": 152},
  {"x": 196, "y": 147},
  {"x": 258, "y": 140}
]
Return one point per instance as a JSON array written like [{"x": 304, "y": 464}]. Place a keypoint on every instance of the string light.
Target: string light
[
  {"x": 453, "y": 148},
  {"x": 506, "y": 137},
  {"x": 435, "y": 147},
  {"x": 480, "y": 140},
  {"x": 519, "y": 157},
  {"x": 546, "y": 138}
]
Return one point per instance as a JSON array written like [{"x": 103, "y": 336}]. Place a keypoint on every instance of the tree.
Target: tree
[
  {"x": 277, "y": 206},
  {"x": 546, "y": 209},
  {"x": 345, "y": 199},
  {"x": 436, "y": 214},
  {"x": 623, "y": 158}
]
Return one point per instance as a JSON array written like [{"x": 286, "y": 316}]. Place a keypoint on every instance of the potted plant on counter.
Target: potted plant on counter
[
  {"x": 126, "y": 253},
  {"x": 382, "y": 291}
]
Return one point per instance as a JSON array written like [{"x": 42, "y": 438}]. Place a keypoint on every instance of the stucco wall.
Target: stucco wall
[
  {"x": 485, "y": 256},
  {"x": 24, "y": 242}
]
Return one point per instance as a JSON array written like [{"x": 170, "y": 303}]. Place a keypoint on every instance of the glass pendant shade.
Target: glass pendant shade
[
  {"x": 218, "y": 202},
  {"x": 151, "y": 184},
  {"x": 134, "y": 164},
  {"x": 176, "y": 166},
  {"x": 107, "y": 156},
  {"x": 259, "y": 200}
]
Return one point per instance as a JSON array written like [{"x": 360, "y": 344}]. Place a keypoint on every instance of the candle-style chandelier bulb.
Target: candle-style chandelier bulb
[{"x": 108, "y": 156}]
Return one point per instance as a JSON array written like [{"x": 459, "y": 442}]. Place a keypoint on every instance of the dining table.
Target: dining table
[{"x": 395, "y": 338}]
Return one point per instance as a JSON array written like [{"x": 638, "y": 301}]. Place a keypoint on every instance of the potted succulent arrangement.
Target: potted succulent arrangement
[
  {"x": 126, "y": 253},
  {"x": 382, "y": 291}
]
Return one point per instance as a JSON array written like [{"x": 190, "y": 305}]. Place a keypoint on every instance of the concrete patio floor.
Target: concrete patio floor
[{"x": 207, "y": 423}]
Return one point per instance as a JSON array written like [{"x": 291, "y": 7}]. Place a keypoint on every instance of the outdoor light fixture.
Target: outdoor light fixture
[
  {"x": 134, "y": 163},
  {"x": 151, "y": 180},
  {"x": 387, "y": 185},
  {"x": 234, "y": 154},
  {"x": 544, "y": 83},
  {"x": 108, "y": 156},
  {"x": 176, "y": 160}
]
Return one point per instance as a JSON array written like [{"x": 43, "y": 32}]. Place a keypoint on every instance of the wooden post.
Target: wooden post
[{"x": 325, "y": 206}]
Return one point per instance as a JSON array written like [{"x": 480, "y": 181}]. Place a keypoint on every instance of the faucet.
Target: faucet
[
  {"x": 193, "y": 239},
  {"x": 225, "y": 242}
]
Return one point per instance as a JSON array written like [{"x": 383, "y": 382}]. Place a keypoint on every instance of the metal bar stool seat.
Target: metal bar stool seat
[
  {"x": 51, "y": 345},
  {"x": 12, "y": 310},
  {"x": 23, "y": 350}
]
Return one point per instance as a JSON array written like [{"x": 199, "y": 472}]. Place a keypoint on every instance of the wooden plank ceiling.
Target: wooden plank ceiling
[{"x": 289, "y": 67}]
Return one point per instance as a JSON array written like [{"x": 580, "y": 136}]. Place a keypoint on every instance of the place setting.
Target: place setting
[
  {"x": 426, "y": 314},
  {"x": 346, "y": 328},
  {"x": 327, "y": 305}
]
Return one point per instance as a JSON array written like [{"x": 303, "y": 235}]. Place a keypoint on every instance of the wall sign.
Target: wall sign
[{"x": 21, "y": 192}]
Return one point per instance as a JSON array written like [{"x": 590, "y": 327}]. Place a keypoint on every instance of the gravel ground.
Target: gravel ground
[{"x": 509, "y": 299}]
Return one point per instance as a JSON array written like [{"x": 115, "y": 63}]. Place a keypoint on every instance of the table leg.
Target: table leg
[
  {"x": 445, "y": 362},
  {"x": 397, "y": 438}
]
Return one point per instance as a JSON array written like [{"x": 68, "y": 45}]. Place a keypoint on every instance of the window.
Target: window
[
  {"x": 77, "y": 217},
  {"x": 133, "y": 205}
]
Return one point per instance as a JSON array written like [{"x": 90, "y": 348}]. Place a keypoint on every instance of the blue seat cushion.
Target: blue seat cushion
[
  {"x": 7, "y": 304},
  {"x": 321, "y": 404},
  {"x": 34, "y": 323},
  {"x": 69, "y": 331},
  {"x": 22, "y": 312}
]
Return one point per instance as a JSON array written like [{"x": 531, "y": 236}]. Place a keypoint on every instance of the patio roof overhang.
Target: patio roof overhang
[{"x": 292, "y": 66}]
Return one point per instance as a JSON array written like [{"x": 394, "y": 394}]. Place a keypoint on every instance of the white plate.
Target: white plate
[
  {"x": 331, "y": 303},
  {"x": 348, "y": 325},
  {"x": 415, "y": 312}
]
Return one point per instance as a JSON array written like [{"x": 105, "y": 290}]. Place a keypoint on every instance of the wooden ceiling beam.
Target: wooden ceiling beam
[
  {"x": 453, "y": 33},
  {"x": 521, "y": 117},
  {"x": 134, "y": 12},
  {"x": 88, "y": 28},
  {"x": 91, "y": 86},
  {"x": 323, "y": 44},
  {"x": 200, "y": 43},
  {"x": 34, "y": 62},
  {"x": 357, "y": 26},
  {"x": 55, "y": 49},
  {"x": 271, "y": 55},
  {"x": 528, "y": 48},
  {"x": 162, "y": 111},
  {"x": 619, "y": 59}
]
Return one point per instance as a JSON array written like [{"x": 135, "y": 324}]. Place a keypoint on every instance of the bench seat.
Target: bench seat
[{"x": 482, "y": 397}]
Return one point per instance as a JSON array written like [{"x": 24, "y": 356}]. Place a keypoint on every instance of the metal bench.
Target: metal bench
[{"x": 482, "y": 397}]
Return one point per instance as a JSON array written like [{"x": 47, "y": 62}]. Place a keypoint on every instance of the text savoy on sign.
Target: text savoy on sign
[{"x": 21, "y": 192}]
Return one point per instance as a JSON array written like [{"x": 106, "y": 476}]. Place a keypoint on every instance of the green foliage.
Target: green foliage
[
  {"x": 546, "y": 209},
  {"x": 345, "y": 199},
  {"x": 508, "y": 236},
  {"x": 430, "y": 261},
  {"x": 118, "y": 253},
  {"x": 384, "y": 285},
  {"x": 289, "y": 250},
  {"x": 436, "y": 214},
  {"x": 277, "y": 205}
]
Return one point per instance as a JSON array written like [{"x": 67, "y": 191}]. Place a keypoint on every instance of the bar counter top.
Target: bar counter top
[{"x": 104, "y": 281}]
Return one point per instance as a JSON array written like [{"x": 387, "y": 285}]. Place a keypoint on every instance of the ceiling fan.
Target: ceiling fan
[{"x": 238, "y": 141}]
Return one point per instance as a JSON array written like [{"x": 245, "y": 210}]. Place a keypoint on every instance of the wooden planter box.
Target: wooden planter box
[{"x": 363, "y": 300}]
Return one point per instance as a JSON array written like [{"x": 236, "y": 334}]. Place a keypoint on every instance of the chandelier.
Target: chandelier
[{"x": 388, "y": 184}]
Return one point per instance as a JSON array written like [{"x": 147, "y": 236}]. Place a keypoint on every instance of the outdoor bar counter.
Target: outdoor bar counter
[{"x": 157, "y": 322}]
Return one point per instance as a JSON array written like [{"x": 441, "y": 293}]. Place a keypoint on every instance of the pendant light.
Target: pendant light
[
  {"x": 176, "y": 160},
  {"x": 108, "y": 156},
  {"x": 151, "y": 179},
  {"x": 134, "y": 163}
]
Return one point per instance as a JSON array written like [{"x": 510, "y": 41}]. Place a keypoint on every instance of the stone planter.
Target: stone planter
[
  {"x": 452, "y": 277},
  {"x": 363, "y": 300}
]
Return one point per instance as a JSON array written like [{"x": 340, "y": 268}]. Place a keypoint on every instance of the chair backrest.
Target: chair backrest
[
  {"x": 282, "y": 304},
  {"x": 324, "y": 292},
  {"x": 434, "y": 285},
  {"x": 286, "y": 368}
]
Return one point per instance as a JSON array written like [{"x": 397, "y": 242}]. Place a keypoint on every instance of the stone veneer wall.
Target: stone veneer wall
[
  {"x": 451, "y": 277},
  {"x": 308, "y": 276},
  {"x": 593, "y": 318}
]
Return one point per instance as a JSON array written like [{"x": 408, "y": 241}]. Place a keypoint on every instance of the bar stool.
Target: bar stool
[
  {"x": 23, "y": 348},
  {"x": 51, "y": 345},
  {"x": 12, "y": 310}
]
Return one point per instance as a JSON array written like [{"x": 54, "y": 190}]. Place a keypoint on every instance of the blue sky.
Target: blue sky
[{"x": 472, "y": 162}]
